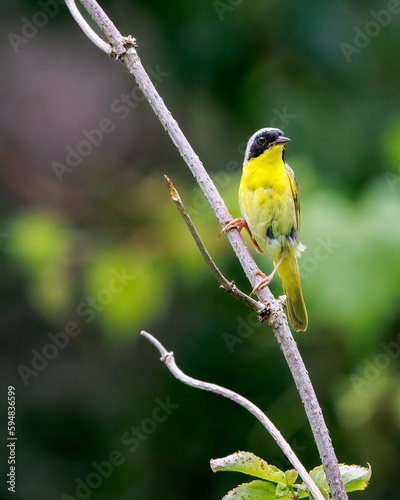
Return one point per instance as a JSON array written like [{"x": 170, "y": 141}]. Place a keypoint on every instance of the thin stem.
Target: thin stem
[
  {"x": 228, "y": 286},
  {"x": 168, "y": 359},
  {"x": 101, "y": 44}
]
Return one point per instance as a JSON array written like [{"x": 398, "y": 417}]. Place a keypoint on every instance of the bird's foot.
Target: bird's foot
[
  {"x": 238, "y": 224},
  {"x": 266, "y": 280}
]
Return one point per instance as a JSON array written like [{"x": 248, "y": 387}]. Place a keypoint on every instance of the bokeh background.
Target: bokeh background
[{"x": 329, "y": 76}]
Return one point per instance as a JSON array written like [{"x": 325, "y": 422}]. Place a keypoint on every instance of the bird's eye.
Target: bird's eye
[{"x": 261, "y": 140}]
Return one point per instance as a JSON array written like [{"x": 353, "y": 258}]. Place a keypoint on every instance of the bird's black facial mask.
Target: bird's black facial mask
[{"x": 262, "y": 140}]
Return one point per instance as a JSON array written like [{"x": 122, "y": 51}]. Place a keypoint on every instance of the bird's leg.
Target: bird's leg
[
  {"x": 239, "y": 224},
  {"x": 266, "y": 280}
]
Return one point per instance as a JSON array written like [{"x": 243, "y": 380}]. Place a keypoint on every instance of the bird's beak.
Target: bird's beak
[{"x": 281, "y": 140}]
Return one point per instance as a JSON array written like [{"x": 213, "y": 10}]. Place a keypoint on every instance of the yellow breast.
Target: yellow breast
[{"x": 266, "y": 201}]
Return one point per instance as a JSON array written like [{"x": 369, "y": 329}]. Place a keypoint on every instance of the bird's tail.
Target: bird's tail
[{"x": 290, "y": 277}]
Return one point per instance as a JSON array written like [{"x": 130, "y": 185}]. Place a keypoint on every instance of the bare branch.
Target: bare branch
[
  {"x": 124, "y": 49},
  {"x": 168, "y": 359},
  {"x": 94, "y": 37},
  {"x": 229, "y": 286}
]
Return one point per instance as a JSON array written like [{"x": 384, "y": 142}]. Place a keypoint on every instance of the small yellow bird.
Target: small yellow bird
[{"x": 269, "y": 202}]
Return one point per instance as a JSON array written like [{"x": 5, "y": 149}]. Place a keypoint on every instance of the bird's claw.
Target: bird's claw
[
  {"x": 233, "y": 224},
  {"x": 266, "y": 280}
]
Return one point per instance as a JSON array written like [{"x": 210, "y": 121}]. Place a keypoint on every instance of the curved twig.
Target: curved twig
[
  {"x": 229, "y": 286},
  {"x": 168, "y": 359},
  {"x": 94, "y": 37}
]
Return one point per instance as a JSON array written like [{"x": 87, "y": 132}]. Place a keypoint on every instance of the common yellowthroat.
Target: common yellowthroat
[{"x": 269, "y": 202}]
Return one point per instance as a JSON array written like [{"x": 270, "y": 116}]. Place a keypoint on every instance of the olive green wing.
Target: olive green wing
[{"x": 295, "y": 193}]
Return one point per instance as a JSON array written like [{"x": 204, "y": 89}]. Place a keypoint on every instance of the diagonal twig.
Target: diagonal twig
[
  {"x": 168, "y": 359},
  {"x": 229, "y": 286}
]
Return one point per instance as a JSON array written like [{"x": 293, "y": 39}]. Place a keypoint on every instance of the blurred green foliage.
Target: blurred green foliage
[{"x": 63, "y": 244}]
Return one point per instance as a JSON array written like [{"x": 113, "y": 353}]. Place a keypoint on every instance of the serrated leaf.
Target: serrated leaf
[
  {"x": 355, "y": 477},
  {"x": 291, "y": 476},
  {"x": 248, "y": 463},
  {"x": 256, "y": 490}
]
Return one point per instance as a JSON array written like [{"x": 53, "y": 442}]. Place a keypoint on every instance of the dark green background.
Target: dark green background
[{"x": 223, "y": 76}]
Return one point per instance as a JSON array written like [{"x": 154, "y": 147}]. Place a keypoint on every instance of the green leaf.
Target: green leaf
[
  {"x": 248, "y": 463},
  {"x": 355, "y": 477},
  {"x": 256, "y": 490},
  {"x": 291, "y": 476},
  {"x": 318, "y": 476},
  {"x": 324, "y": 492},
  {"x": 302, "y": 491},
  {"x": 282, "y": 490}
]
